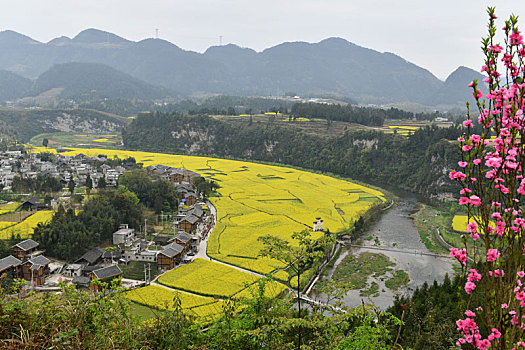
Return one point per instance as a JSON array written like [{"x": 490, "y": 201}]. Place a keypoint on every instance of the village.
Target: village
[{"x": 160, "y": 251}]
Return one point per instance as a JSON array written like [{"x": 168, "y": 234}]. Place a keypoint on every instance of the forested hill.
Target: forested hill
[
  {"x": 419, "y": 163},
  {"x": 26, "y": 123},
  {"x": 332, "y": 66},
  {"x": 88, "y": 81},
  {"x": 13, "y": 86}
]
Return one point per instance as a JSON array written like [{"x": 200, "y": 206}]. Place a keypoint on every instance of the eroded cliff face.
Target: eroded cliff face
[
  {"x": 68, "y": 122},
  {"x": 26, "y": 123}
]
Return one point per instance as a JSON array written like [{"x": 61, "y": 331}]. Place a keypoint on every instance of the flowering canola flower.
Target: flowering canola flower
[{"x": 254, "y": 200}]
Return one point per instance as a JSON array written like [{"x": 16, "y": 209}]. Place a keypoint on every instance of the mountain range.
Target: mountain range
[{"x": 105, "y": 63}]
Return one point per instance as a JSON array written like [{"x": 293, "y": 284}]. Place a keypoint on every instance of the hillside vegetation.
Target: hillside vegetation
[{"x": 418, "y": 163}]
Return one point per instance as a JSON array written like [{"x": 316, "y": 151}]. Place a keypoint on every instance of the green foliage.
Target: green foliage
[
  {"x": 430, "y": 315},
  {"x": 357, "y": 269},
  {"x": 42, "y": 183},
  {"x": 76, "y": 319},
  {"x": 158, "y": 195},
  {"x": 67, "y": 236},
  {"x": 71, "y": 185},
  {"x": 415, "y": 163},
  {"x": 348, "y": 113}
]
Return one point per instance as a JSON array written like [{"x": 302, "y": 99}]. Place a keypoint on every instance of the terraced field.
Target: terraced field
[
  {"x": 209, "y": 278},
  {"x": 163, "y": 298},
  {"x": 24, "y": 228},
  {"x": 255, "y": 200}
]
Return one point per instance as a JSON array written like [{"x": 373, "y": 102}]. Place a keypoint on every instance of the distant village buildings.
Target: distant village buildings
[{"x": 190, "y": 224}]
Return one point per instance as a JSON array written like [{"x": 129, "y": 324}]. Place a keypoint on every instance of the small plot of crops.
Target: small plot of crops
[
  {"x": 460, "y": 223},
  {"x": 300, "y": 119},
  {"x": 210, "y": 278},
  {"x": 155, "y": 296},
  {"x": 9, "y": 207},
  {"x": 104, "y": 140},
  {"x": 26, "y": 227}
]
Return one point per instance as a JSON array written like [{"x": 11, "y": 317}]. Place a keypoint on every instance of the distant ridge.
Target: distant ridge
[
  {"x": 332, "y": 66},
  {"x": 97, "y": 80}
]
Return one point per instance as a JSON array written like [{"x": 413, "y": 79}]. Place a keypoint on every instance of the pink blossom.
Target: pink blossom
[
  {"x": 492, "y": 255},
  {"x": 469, "y": 287},
  {"x": 467, "y": 123},
  {"x": 473, "y": 276},
  {"x": 464, "y": 200},
  {"x": 460, "y": 254},
  {"x": 499, "y": 273},
  {"x": 469, "y": 313},
  {"x": 474, "y": 235},
  {"x": 475, "y": 200},
  {"x": 496, "y": 216},
  {"x": 472, "y": 227},
  {"x": 462, "y": 164}
]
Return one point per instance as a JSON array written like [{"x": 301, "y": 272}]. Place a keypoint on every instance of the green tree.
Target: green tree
[
  {"x": 89, "y": 185},
  {"x": 102, "y": 182},
  {"x": 45, "y": 142},
  {"x": 71, "y": 185},
  {"x": 297, "y": 258}
]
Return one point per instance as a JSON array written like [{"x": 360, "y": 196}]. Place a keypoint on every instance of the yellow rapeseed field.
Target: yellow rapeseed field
[
  {"x": 9, "y": 207},
  {"x": 213, "y": 279},
  {"x": 25, "y": 228},
  {"x": 255, "y": 200},
  {"x": 164, "y": 298},
  {"x": 460, "y": 222}
]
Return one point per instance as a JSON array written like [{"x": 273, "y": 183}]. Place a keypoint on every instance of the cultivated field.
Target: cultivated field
[
  {"x": 460, "y": 223},
  {"x": 209, "y": 278},
  {"x": 9, "y": 207},
  {"x": 66, "y": 139},
  {"x": 255, "y": 200},
  {"x": 163, "y": 298},
  {"x": 24, "y": 228}
]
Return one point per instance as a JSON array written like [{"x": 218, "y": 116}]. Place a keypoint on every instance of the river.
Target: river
[{"x": 395, "y": 231}]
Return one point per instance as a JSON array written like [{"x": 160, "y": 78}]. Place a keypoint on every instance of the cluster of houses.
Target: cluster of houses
[
  {"x": 191, "y": 224},
  {"x": 97, "y": 263},
  {"x": 175, "y": 175},
  {"x": 29, "y": 263},
  {"x": 78, "y": 167},
  {"x": 26, "y": 261}
]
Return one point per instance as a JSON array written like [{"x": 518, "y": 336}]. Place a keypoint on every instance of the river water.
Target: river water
[{"x": 395, "y": 230}]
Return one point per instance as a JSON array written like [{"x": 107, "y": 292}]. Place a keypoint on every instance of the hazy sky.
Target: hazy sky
[{"x": 439, "y": 35}]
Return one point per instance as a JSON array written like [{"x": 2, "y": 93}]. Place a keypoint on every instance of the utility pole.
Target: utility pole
[{"x": 147, "y": 274}]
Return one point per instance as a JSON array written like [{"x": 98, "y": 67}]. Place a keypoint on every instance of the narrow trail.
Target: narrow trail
[{"x": 202, "y": 253}]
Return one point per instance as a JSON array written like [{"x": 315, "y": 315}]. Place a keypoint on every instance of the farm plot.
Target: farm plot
[
  {"x": 255, "y": 200},
  {"x": 9, "y": 207},
  {"x": 24, "y": 228},
  {"x": 460, "y": 223},
  {"x": 163, "y": 298},
  {"x": 212, "y": 279}
]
